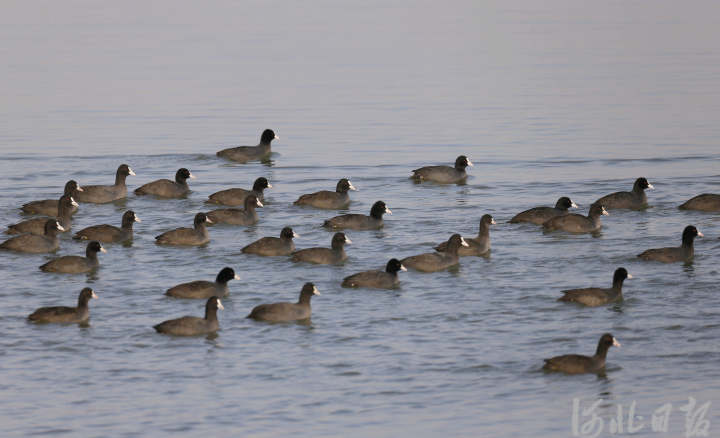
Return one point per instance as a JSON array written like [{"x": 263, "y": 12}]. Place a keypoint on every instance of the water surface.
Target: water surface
[{"x": 560, "y": 99}]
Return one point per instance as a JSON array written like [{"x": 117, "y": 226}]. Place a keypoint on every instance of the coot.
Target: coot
[{"x": 243, "y": 154}]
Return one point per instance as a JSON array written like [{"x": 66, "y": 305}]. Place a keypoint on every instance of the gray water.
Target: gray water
[{"x": 560, "y": 98}]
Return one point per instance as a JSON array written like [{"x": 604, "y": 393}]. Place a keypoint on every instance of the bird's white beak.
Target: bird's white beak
[
  {"x": 220, "y": 306},
  {"x": 650, "y": 186},
  {"x": 73, "y": 203},
  {"x": 629, "y": 276},
  {"x": 470, "y": 163},
  {"x": 207, "y": 219},
  {"x": 347, "y": 240},
  {"x": 269, "y": 186},
  {"x": 316, "y": 291},
  {"x": 137, "y": 219},
  {"x": 574, "y": 205},
  {"x": 700, "y": 234},
  {"x": 130, "y": 171},
  {"x": 492, "y": 222},
  {"x": 192, "y": 176},
  {"x": 79, "y": 189},
  {"x": 463, "y": 242},
  {"x": 403, "y": 268},
  {"x": 237, "y": 277},
  {"x": 352, "y": 187},
  {"x": 388, "y": 211},
  {"x": 616, "y": 343},
  {"x": 604, "y": 212},
  {"x": 295, "y": 234},
  {"x": 103, "y": 250},
  {"x": 59, "y": 227},
  {"x": 277, "y": 137},
  {"x": 94, "y": 295},
  {"x": 258, "y": 203}
]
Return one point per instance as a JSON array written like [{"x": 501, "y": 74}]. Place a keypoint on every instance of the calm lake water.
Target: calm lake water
[{"x": 552, "y": 99}]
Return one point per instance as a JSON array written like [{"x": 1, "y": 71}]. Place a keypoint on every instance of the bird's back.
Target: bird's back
[
  {"x": 187, "y": 326},
  {"x": 571, "y": 364},
  {"x": 58, "y": 314},
  {"x": 667, "y": 255},
  {"x": 590, "y": 296}
]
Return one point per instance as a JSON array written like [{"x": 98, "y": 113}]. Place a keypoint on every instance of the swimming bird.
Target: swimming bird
[
  {"x": 63, "y": 314},
  {"x": 243, "y": 154},
  {"x": 477, "y": 246},
  {"x": 164, "y": 188},
  {"x": 287, "y": 312},
  {"x": 49, "y": 207},
  {"x": 37, "y": 225},
  {"x": 577, "y": 223},
  {"x": 596, "y": 296},
  {"x": 325, "y": 256},
  {"x": 193, "y": 325},
  {"x": 579, "y": 364},
  {"x": 684, "y": 253},
  {"x": 704, "y": 202},
  {"x": 387, "y": 279},
  {"x": 235, "y": 216},
  {"x": 205, "y": 289},
  {"x": 540, "y": 215},
  {"x": 273, "y": 246},
  {"x": 437, "y": 261},
  {"x": 100, "y": 194},
  {"x": 108, "y": 233},
  {"x": 198, "y": 235},
  {"x": 237, "y": 196},
  {"x": 327, "y": 199},
  {"x": 359, "y": 221},
  {"x": 34, "y": 244},
  {"x": 636, "y": 199},
  {"x": 443, "y": 174},
  {"x": 76, "y": 264}
]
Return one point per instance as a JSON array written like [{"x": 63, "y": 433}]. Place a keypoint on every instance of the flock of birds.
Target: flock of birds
[{"x": 40, "y": 235}]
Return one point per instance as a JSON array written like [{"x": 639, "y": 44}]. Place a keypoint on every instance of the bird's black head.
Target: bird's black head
[
  {"x": 94, "y": 247},
  {"x": 125, "y": 170},
  {"x": 85, "y": 295},
  {"x": 344, "y": 185},
  {"x": 267, "y": 136},
  {"x": 690, "y": 233},
  {"x": 261, "y": 184},
  {"x": 72, "y": 186},
  {"x": 563, "y": 203},
  {"x": 642, "y": 184},
  {"x": 597, "y": 210},
  {"x": 621, "y": 274},
  {"x": 182, "y": 174},
  {"x": 339, "y": 240},
  {"x": 462, "y": 162},
  {"x": 394, "y": 266},
  {"x": 456, "y": 240},
  {"x": 226, "y": 274},
  {"x": 66, "y": 201},
  {"x": 201, "y": 218},
  {"x": 378, "y": 209},
  {"x": 607, "y": 340},
  {"x": 52, "y": 227},
  {"x": 211, "y": 306},
  {"x": 308, "y": 290},
  {"x": 287, "y": 233},
  {"x": 128, "y": 218}
]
